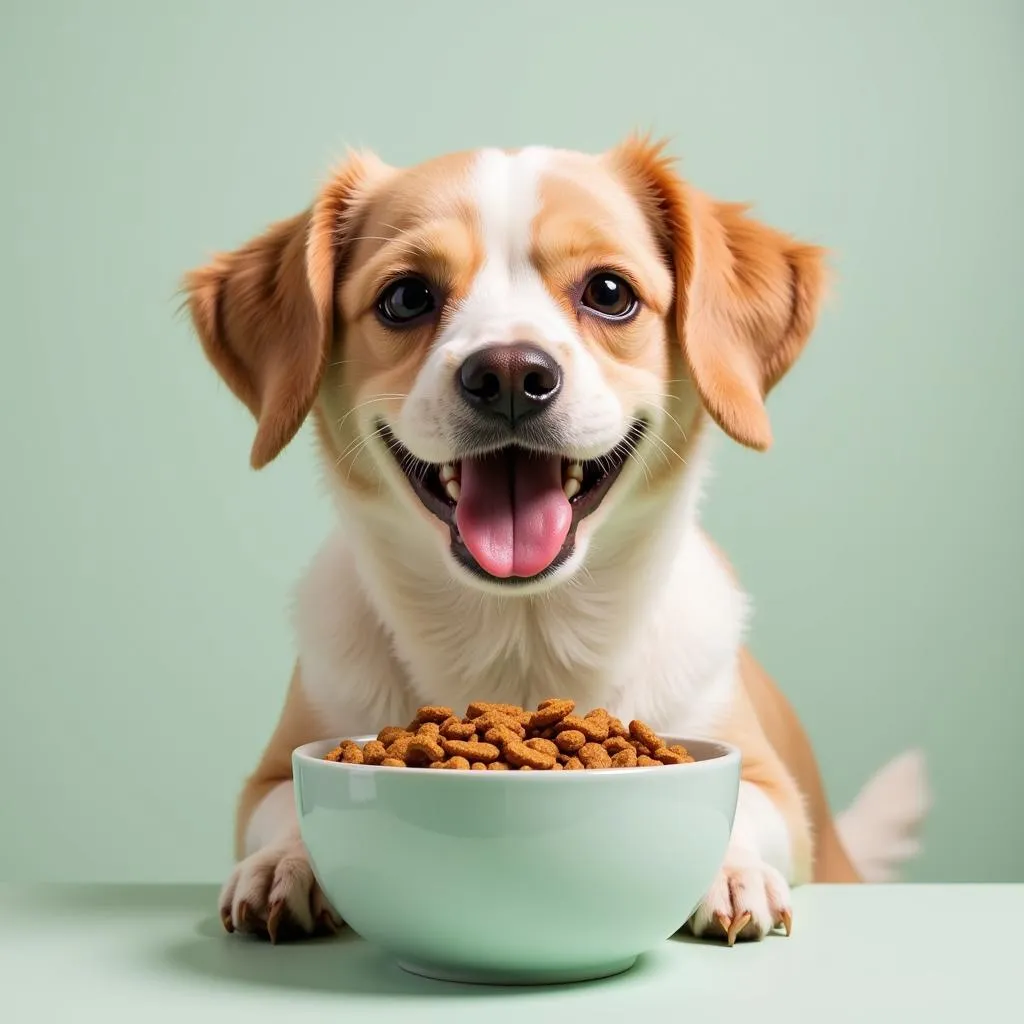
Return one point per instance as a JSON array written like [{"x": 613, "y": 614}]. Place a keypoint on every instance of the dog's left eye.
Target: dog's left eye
[
  {"x": 610, "y": 296},
  {"x": 406, "y": 300}
]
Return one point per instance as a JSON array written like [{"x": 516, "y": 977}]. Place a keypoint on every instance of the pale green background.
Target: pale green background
[{"x": 146, "y": 570}]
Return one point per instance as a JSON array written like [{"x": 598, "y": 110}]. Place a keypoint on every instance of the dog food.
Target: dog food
[{"x": 504, "y": 737}]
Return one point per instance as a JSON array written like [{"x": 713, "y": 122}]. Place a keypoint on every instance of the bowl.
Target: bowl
[{"x": 516, "y": 878}]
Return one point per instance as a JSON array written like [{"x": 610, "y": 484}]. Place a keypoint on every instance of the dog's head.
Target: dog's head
[{"x": 504, "y": 346}]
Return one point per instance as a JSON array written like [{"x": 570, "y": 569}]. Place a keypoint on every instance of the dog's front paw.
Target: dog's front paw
[
  {"x": 748, "y": 900},
  {"x": 274, "y": 893}
]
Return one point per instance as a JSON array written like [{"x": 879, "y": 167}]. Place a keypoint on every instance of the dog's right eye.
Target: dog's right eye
[{"x": 406, "y": 300}]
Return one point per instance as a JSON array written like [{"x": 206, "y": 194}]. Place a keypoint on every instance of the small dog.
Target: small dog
[{"x": 512, "y": 361}]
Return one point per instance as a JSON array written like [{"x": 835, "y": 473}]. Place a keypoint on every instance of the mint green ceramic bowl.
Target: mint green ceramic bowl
[{"x": 510, "y": 878}]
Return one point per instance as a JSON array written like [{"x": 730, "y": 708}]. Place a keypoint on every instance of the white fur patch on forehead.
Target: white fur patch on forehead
[
  {"x": 506, "y": 188},
  {"x": 508, "y": 300}
]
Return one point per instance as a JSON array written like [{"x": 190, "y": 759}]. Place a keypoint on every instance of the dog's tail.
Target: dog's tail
[{"x": 881, "y": 829}]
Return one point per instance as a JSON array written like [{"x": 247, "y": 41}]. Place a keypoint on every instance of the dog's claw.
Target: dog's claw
[
  {"x": 243, "y": 915},
  {"x": 325, "y": 923},
  {"x": 225, "y": 920},
  {"x": 738, "y": 925},
  {"x": 787, "y": 922},
  {"x": 274, "y": 920},
  {"x": 724, "y": 923}
]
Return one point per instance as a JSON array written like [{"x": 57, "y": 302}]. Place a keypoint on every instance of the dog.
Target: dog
[{"x": 514, "y": 362}]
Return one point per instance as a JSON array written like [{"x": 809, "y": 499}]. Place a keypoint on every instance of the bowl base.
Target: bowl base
[{"x": 516, "y": 976}]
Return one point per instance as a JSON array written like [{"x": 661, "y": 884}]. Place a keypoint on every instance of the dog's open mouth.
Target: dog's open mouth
[{"x": 513, "y": 512}]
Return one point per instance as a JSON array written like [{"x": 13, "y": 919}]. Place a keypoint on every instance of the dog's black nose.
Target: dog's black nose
[{"x": 510, "y": 381}]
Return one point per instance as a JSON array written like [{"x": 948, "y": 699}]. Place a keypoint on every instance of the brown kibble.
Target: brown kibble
[
  {"x": 374, "y": 752},
  {"x": 616, "y": 728},
  {"x": 615, "y": 744},
  {"x": 485, "y": 752},
  {"x": 522, "y": 756},
  {"x": 595, "y": 730},
  {"x": 644, "y": 734},
  {"x": 423, "y": 750},
  {"x": 593, "y": 755},
  {"x": 570, "y": 741},
  {"x": 434, "y": 713},
  {"x": 390, "y": 733},
  {"x": 499, "y": 737},
  {"x": 453, "y": 729},
  {"x": 550, "y": 712},
  {"x": 625, "y": 758},
  {"x": 400, "y": 747},
  {"x": 494, "y": 719},
  {"x": 666, "y": 756},
  {"x": 544, "y": 746},
  {"x": 480, "y": 707}
]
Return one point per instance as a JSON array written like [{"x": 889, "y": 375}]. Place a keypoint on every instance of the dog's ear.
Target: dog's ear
[
  {"x": 746, "y": 296},
  {"x": 265, "y": 312}
]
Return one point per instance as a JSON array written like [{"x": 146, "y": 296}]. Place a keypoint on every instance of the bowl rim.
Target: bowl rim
[{"x": 312, "y": 753}]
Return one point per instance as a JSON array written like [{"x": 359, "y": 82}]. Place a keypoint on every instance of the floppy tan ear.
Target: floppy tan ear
[
  {"x": 747, "y": 296},
  {"x": 265, "y": 312}
]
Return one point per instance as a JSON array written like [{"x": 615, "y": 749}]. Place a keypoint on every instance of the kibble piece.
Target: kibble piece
[
  {"x": 400, "y": 747},
  {"x": 392, "y": 762},
  {"x": 481, "y": 707},
  {"x": 389, "y": 734},
  {"x": 434, "y": 713},
  {"x": 478, "y": 766},
  {"x": 666, "y": 756},
  {"x": 485, "y": 752},
  {"x": 458, "y": 763},
  {"x": 570, "y": 741},
  {"x": 594, "y": 729},
  {"x": 615, "y": 744},
  {"x": 550, "y": 712},
  {"x": 431, "y": 729},
  {"x": 525, "y": 768},
  {"x": 438, "y": 764},
  {"x": 574, "y": 764},
  {"x": 494, "y": 719},
  {"x": 616, "y": 728},
  {"x": 500, "y": 735},
  {"x": 643, "y": 733},
  {"x": 593, "y": 755},
  {"x": 423, "y": 750},
  {"x": 522, "y": 756},
  {"x": 556, "y": 767},
  {"x": 543, "y": 745},
  {"x": 497, "y": 766},
  {"x": 625, "y": 758},
  {"x": 453, "y": 729},
  {"x": 648, "y": 762},
  {"x": 374, "y": 752}
]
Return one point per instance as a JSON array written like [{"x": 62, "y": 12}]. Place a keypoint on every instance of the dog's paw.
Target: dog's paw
[
  {"x": 274, "y": 893},
  {"x": 748, "y": 900}
]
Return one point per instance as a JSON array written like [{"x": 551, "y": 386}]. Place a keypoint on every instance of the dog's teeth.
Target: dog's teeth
[
  {"x": 448, "y": 473},
  {"x": 454, "y": 489},
  {"x": 571, "y": 487},
  {"x": 574, "y": 471}
]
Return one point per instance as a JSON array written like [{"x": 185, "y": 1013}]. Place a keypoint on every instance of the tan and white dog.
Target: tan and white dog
[{"x": 512, "y": 361}]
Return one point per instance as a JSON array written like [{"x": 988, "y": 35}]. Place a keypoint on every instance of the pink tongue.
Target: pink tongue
[{"x": 512, "y": 512}]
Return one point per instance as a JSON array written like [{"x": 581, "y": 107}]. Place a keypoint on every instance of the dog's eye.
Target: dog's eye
[
  {"x": 406, "y": 300},
  {"x": 610, "y": 296}
]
